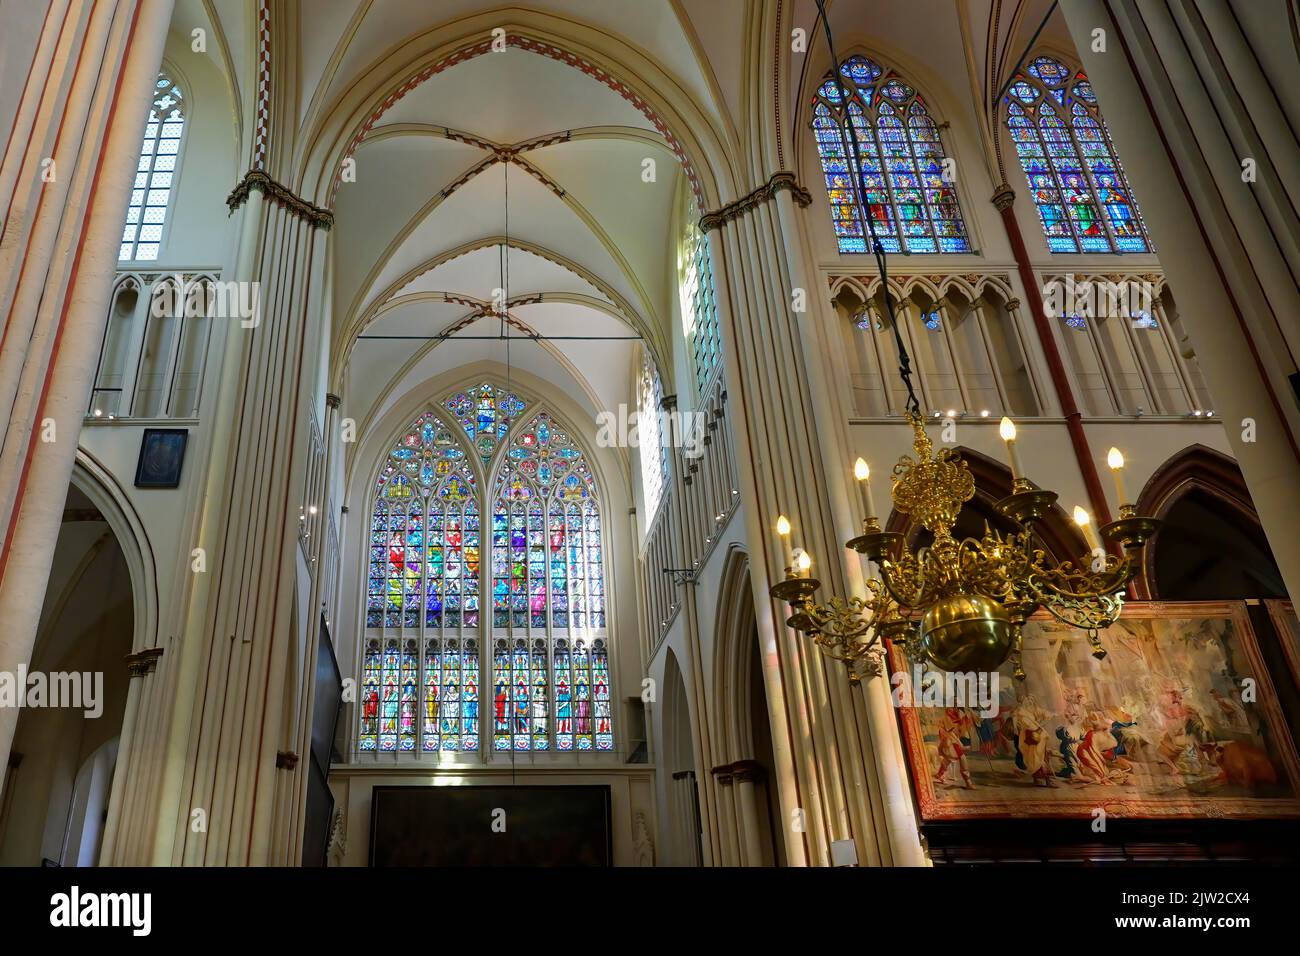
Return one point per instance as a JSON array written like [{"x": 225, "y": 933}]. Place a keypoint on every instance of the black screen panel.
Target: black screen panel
[{"x": 453, "y": 826}]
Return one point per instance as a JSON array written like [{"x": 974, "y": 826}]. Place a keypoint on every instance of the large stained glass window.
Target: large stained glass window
[
  {"x": 905, "y": 179},
  {"x": 420, "y": 668},
  {"x": 548, "y": 594},
  {"x": 155, "y": 174},
  {"x": 1078, "y": 185}
]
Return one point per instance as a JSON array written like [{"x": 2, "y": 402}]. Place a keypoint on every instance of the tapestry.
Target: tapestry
[{"x": 1179, "y": 720}]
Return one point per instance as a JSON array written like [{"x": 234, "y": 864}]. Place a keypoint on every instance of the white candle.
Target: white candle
[
  {"x": 1007, "y": 429},
  {"x": 1115, "y": 459},
  {"x": 804, "y": 565},
  {"x": 863, "y": 474},
  {"x": 783, "y": 532},
  {"x": 1084, "y": 521}
]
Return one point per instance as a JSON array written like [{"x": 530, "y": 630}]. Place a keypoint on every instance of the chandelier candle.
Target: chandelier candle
[
  {"x": 803, "y": 565},
  {"x": 863, "y": 474},
  {"x": 1115, "y": 459},
  {"x": 783, "y": 532},
  {"x": 1084, "y": 521},
  {"x": 1007, "y": 429}
]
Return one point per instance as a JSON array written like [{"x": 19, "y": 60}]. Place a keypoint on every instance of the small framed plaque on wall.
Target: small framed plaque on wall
[{"x": 162, "y": 452}]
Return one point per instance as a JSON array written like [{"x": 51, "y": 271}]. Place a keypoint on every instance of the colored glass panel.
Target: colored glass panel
[
  {"x": 901, "y": 169},
  {"x": 545, "y": 567},
  {"x": 1078, "y": 186}
]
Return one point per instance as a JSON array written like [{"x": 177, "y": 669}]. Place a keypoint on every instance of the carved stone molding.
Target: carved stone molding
[
  {"x": 278, "y": 193},
  {"x": 742, "y": 771},
  {"x": 144, "y": 662},
  {"x": 643, "y": 844},
  {"x": 338, "y": 846},
  {"x": 748, "y": 771},
  {"x": 764, "y": 193}
]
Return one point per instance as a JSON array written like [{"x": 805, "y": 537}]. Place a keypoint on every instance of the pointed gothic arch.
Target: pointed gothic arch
[{"x": 1212, "y": 545}]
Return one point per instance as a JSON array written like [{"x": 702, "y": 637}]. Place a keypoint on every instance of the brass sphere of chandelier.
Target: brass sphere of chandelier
[{"x": 959, "y": 604}]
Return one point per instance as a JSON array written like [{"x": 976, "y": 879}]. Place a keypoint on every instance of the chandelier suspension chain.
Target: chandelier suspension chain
[{"x": 853, "y": 159}]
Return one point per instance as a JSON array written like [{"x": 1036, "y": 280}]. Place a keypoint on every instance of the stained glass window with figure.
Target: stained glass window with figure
[{"x": 906, "y": 179}]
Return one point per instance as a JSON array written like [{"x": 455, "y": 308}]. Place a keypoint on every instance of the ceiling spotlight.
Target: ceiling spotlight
[
  {"x": 984, "y": 413},
  {"x": 98, "y": 413},
  {"x": 952, "y": 413}
]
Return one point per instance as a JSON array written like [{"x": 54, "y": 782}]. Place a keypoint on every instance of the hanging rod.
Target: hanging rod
[{"x": 523, "y": 336}]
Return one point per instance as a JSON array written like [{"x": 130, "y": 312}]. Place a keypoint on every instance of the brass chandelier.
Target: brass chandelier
[
  {"x": 958, "y": 604},
  {"x": 961, "y": 604}
]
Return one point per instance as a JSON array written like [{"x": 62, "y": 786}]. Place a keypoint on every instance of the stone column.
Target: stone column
[
  {"x": 726, "y": 798},
  {"x": 1185, "y": 92},
  {"x": 684, "y": 806},
  {"x": 747, "y": 775},
  {"x": 701, "y": 739},
  {"x": 238, "y": 638},
  {"x": 838, "y": 762},
  {"x": 64, "y": 182},
  {"x": 129, "y": 786}
]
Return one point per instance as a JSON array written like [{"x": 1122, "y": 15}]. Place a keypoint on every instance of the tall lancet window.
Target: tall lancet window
[
  {"x": 420, "y": 665},
  {"x": 550, "y": 665},
  {"x": 155, "y": 174},
  {"x": 650, "y": 440},
  {"x": 1078, "y": 185},
  {"x": 695, "y": 295},
  {"x": 906, "y": 181}
]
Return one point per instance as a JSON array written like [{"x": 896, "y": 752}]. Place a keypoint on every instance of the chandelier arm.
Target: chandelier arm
[{"x": 891, "y": 578}]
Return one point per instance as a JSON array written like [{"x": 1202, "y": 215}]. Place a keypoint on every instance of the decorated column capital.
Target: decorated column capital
[
  {"x": 143, "y": 662},
  {"x": 1003, "y": 196},
  {"x": 764, "y": 193},
  {"x": 280, "y": 194}
]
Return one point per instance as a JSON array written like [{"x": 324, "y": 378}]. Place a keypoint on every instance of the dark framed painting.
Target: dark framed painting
[
  {"x": 162, "y": 453},
  {"x": 1180, "y": 720}
]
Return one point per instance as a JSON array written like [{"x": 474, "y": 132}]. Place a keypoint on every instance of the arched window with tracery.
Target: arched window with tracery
[
  {"x": 905, "y": 178},
  {"x": 550, "y": 671},
  {"x": 155, "y": 174},
  {"x": 545, "y": 640},
  {"x": 1083, "y": 198},
  {"x": 422, "y": 603}
]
